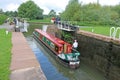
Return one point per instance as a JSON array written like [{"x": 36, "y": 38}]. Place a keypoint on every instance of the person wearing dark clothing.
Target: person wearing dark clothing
[{"x": 15, "y": 21}]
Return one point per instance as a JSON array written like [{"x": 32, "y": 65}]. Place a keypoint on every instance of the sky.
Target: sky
[{"x": 47, "y": 5}]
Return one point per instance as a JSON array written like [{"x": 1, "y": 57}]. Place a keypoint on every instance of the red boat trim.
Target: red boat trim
[{"x": 50, "y": 37}]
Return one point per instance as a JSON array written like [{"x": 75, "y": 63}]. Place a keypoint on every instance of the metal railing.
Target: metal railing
[
  {"x": 66, "y": 25},
  {"x": 114, "y": 31}
]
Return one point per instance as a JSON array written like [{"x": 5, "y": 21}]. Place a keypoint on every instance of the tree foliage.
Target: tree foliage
[
  {"x": 52, "y": 13},
  {"x": 72, "y": 10},
  {"x": 30, "y": 10},
  {"x": 92, "y": 13},
  {"x": 2, "y": 18},
  {"x": 11, "y": 13},
  {"x": 1, "y": 11}
]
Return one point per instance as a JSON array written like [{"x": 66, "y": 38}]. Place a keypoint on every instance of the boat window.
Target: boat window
[
  {"x": 52, "y": 45},
  {"x": 47, "y": 41},
  {"x": 56, "y": 48},
  {"x": 44, "y": 39},
  {"x": 37, "y": 33}
]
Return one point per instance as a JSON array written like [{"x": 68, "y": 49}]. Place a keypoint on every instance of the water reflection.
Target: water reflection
[
  {"x": 54, "y": 70},
  {"x": 44, "y": 59}
]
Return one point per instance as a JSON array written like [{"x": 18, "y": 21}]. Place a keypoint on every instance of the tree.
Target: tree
[
  {"x": 91, "y": 14},
  {"x": 52, "y": 13},
  {"x": 30, "y": 10},
  {"x": 11, "y": 13},
  {"x": 2, "y": 18},
  {"x": 117, "y": 8},
  {"x": 72, "y": 11},
  {"x": 1, "y": 11}
]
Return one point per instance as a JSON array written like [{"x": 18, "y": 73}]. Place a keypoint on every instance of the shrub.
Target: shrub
[{"x": 2, "y": 18}]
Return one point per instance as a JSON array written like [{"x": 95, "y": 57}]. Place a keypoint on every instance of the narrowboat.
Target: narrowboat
[{"x": 61, "y": 49}]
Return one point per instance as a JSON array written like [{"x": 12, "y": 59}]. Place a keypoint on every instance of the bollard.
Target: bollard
[
  {"x": 6, "y": 32},
  {"x": 92, "y": 30}
]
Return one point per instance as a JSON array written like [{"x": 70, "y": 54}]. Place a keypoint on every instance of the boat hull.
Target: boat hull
[{"x": 73, "y": 65}]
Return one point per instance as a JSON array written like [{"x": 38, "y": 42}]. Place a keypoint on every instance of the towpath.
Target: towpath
[{"x": 24, "y": 65}]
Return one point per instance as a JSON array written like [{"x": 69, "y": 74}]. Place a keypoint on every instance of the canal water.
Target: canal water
[{"x": 52, "y": 69}]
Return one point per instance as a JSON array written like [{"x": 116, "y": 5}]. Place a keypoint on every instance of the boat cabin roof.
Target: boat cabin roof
[{"x": 52, "y": 38}]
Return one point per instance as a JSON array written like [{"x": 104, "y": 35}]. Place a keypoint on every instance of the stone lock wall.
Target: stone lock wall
[{"x": 100, "y": 51}]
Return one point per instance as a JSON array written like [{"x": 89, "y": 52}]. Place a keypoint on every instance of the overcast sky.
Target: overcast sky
[{"x": 47, "y": 5}]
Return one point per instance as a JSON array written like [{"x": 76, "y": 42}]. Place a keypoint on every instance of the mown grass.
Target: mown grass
[
  {"x": 103, "y": 30},
  {"x": 98, "y": 30},
  {"x": 5, "y": 54},
  {"x": 47, "y": 20}
]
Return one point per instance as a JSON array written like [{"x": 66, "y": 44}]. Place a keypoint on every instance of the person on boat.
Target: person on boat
[
  {"x": 75, "y": 45},
  {"x": 53, "y": 19}
]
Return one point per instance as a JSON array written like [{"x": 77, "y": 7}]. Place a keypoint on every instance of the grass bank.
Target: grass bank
[
  {"x": 98, "y": 30},
  {"x": 103, "y": 30},
  {"x": 40, "y": 21},
  {"x": 5, "y": 54}
]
